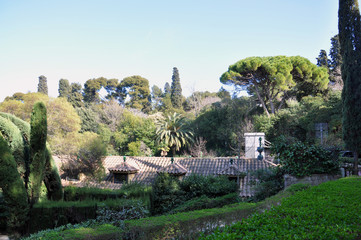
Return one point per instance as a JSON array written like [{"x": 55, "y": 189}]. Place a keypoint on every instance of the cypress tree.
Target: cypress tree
[
  {"x": 43, "y": 85},
  {"x": 167, "y": 88},
  {"x": 350, "y": 41},
  {"x": 335, "y": 53},
  {"x": 322, "y": 60},
  {"x": 38, "y": 133},
  {"x": 176, "y": 90},
  {"x": 64, "y": 88}
]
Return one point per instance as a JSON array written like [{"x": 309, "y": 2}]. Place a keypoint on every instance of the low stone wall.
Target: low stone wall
[{"x": 314, "y": 179}]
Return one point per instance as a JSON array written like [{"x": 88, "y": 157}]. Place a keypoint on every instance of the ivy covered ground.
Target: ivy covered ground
[{"x": 329, "y": 211}]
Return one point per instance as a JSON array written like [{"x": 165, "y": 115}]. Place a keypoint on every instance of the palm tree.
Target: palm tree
[{"x": 173, "y": 132}]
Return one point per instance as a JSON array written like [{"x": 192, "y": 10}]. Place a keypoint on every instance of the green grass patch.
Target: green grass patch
[{"x": 329, "y": 211}]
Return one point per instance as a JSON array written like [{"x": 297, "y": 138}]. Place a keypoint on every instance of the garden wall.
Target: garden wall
[{"x": 314, "y": 179}]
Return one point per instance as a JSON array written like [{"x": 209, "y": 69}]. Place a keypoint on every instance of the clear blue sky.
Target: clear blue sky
[{"x": 83, "y": 39}]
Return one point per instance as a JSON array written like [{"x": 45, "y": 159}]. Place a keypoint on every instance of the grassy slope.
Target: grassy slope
[{"x": 329, "y": 211}]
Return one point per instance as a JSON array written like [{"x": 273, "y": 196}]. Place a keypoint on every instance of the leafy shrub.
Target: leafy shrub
[
  {"x": 116, "y": 217},
  {"x": 90, "y": 158},
  {"x": 205, "y": 202},
  {"x": 299, "y": 159},
  {"x": 50, "y": 214},
  {"x": 166, "y": 194},
  {"x": 270, "y": 182},
  {"x": 169, "y": 192},
  {"x": 130, "y": 191},
  {"x": 80, "y": 194},
  {"x": 15, "y": 199},
  {"x": 211, "y": 186}
]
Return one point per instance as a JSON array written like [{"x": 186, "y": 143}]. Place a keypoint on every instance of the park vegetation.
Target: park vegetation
[{"x": 287, "y": 97}]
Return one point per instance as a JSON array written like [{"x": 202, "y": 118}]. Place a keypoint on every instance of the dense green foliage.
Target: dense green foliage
[
  {"x": 269, "y": 182},
  {"x": 349, "y": 26},
  {"x": 275, "y": 79},
  {"x": 13, "y": 189},
  {"x": 299, "y": 119},
  {"x": 132, "y": 191},
  {"x": 137, "y": 88},
  {"x": 11, "y": 133},
  {"x": 204, "y": 202},
  {"x": 224, "y": 124},
  {"x": 328, "y": 211},
  {"x": 169, "y": 193},
  {"x": 50, "y": 214},
  {"x": 299, "y": 159}
]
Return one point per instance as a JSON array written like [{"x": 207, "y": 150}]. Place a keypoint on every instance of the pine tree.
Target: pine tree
[
  {"x": 43, "y": 85},
  {"x": 350, "y": 41},
  {"x": 176, "y": 90}
]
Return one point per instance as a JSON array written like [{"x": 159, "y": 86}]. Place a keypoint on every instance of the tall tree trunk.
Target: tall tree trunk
[
  {"x": 355, "y": 163},
  {"x": 261, "y": 100},
  {"x": 173, "y": 151}
]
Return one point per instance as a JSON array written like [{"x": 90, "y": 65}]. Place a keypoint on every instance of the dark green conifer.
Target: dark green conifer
[
  {"x": 350, "y": 41},
  {"x": 176, "y": 90},
  {"x": 335, "y": 53},
  {"x": 38, "y": 134}
]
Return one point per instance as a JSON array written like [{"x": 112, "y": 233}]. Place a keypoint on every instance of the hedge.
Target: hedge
[
  {"x": 51, "y": 214},
  {"x": 12, "y": 135},
  {"x": 14, "y": 192}
]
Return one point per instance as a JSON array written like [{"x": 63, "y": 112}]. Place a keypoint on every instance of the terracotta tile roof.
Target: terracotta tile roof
[
  {"x": 231, "y": 171},
  {"x": 149, "y": 166},
  {"x": 174, "y": 168},
  {"x": 123, "y": 167}
]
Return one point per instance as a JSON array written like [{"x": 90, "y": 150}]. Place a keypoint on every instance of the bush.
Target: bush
[
  {"x": 169, "y": 192},
  {"x": 270, "y": 182},
  {"x": 116, "y": 217},
  {"x": 80, "y": 194},
  {"x": 15, "y": 199},
  {"x": 211, "y": 186},
  {"x": 90, "y": 158},
  {"x": 50, "y": 214},
  {"x": 129, "y": 191},
  {"x": 166, "y": 194},
  {"x": 205, "y": 202},
  {"x": 299, "y": 159}
]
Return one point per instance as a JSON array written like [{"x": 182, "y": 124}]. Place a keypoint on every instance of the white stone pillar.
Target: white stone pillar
[{"x": 252, "y": 143}]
